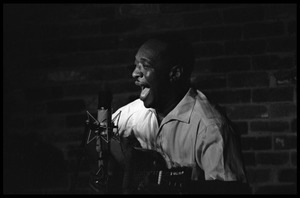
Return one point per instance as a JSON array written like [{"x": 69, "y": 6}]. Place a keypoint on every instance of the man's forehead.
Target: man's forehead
[{"x": 151, "y": 49}]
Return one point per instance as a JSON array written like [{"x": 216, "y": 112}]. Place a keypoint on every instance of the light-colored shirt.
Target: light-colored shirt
[{"x": 194, "y": 134}]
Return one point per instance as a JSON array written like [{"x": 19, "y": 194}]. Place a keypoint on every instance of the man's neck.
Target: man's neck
[{"x": 170, "y": 103}]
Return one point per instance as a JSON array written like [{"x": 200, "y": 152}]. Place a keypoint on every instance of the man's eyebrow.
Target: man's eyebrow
[
  {"x": 146, "y": 60},
  {"x": 143, "y": 60}
]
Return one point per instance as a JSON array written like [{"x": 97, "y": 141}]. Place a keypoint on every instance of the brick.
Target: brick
[
  {"x": 203, "y": 18},
  {"x": 286, "y": 77},
  {"x": 256, "y": 30},
  {"x": 65, "y": 106},
  {"x": 230, "y": 64},
  {"x": 247, "y": 14},
  {"x": 273, "y": 94},
  {"x": 256, "y": 143},
  {"x": 179, "y": 7},
  {"x": 285, "y": 142},
  {"x": 241, "y": 127},
  {"x": 280, "y": 110},
  {"x": 272, "y": 126},
  {"x": 247, "y": 143},
  {"x": 229, "y": 97},
  {"x": 130, "y": 10},
  {"x": 294, "y": 158},
  {"x": 220, "y": 5},
  {"x": 43, "y": 93},
  {"x": 209, "y": 82},
  {"x": 272, "y": 158},
  {"x": 287, "y": 175},
  {"x": 247, "y": 112},
  {"x": 60, "y": 76},
  {"x": 208, "y": 50},
  {"x": 278, "y": 11},
  {"x": 249, "y": 158},
  {"x": 259, "y": 175},
  {"x": 248, "y": 79},
  {"x": 122, "y": 25},
  {"x": 162, "y": 22},
  {"x": 245, "y": 47},
  {"x": 277, "y": 189},
  {"x": 262, "y": 143},
  {"x": 268, "y": 62},
  {"x": 221, "y": 33},
  {"x": 294, "y": 125},
  {"x": 283, "y": 44}
]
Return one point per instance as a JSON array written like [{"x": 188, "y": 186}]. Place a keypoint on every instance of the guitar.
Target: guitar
[
  {"x": 144, "y": 170},
  {"x": 147, "y": 173}
]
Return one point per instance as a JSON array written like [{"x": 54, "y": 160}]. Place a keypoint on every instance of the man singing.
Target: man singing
[{"x": 178, "y": 122}]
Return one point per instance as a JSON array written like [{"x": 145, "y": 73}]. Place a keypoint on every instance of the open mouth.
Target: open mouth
[{"x": 144, "y": 92}]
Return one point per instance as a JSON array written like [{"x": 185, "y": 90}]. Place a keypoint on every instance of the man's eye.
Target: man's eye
[
  {"x": 147, "y": 66},
  {"x": 143, "y": 65}
]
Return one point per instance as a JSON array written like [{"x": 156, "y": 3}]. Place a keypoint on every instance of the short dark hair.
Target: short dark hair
[{"x": 179, "y": 51}]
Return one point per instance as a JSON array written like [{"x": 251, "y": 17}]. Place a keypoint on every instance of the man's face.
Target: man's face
[{"x": 150, "y": 73}]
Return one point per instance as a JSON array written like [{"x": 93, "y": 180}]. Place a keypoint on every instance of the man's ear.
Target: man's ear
[{"x": 175, "y": 73}]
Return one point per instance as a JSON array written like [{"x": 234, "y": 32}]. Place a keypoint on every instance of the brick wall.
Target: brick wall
[{"x": 57, "y": 56}]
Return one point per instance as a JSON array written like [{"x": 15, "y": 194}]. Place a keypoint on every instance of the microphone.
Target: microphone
[{"x": 104, "y": 113}]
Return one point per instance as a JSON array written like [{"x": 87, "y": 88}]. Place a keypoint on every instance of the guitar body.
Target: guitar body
[{"x": 144, "y": 171}]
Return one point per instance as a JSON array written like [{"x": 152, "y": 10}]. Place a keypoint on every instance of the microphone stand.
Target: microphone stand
[{"x": 102, "y": 134}]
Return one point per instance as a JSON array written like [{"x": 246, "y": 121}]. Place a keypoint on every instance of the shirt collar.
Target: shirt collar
[{"x": 183, "y": 110}]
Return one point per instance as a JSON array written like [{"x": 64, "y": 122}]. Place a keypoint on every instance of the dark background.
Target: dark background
[{"x": 57, "y": 56}]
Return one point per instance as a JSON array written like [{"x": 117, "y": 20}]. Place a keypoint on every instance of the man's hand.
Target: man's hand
[{"x": 127, "y": 144}]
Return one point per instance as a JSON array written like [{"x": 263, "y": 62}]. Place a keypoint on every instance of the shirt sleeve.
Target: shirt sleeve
[{"x": 210, "y": 153}]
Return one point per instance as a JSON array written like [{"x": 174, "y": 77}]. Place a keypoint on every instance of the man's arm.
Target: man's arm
[{"x": 221, "y": 175}]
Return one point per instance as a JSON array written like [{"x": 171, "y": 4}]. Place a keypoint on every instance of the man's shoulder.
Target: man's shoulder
[
  {"x": 133, "y": 107},
  {"x": 205, "y": 109},
  {"x": 136, "y": 104}
]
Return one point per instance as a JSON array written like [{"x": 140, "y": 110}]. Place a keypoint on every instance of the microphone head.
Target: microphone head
[{"x": 104, "y": 99}]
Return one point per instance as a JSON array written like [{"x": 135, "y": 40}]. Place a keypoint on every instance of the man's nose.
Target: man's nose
[{"x": 137, "y": 72}]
